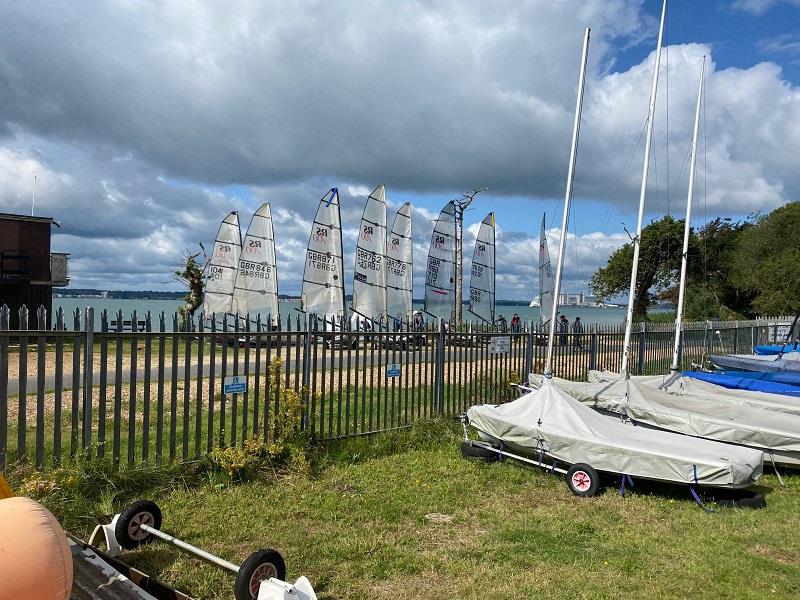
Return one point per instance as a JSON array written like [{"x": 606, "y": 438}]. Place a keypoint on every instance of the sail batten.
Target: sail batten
[
  {"x": 369, "y": 275},
  {"x": 323, "y": 281},
  {"x": 256, "y": 286},
  {"x": 482, "y": 277},
  {"x": 440, "y": 276},
  {"x": 546, "y": 278},
  {"x": 221, "y": 269},
  {"x": 399, "y": 266}
]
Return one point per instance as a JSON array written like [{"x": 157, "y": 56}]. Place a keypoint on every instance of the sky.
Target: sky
[{"x": 146, "y": 122}]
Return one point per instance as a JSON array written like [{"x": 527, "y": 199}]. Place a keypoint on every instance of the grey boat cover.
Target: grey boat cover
[
  {"x": 700, "y": 416},
  {"x": 676, "y": 383},
  {"x": 553, "y": 422},
  {"x": 788, "y": 362}
]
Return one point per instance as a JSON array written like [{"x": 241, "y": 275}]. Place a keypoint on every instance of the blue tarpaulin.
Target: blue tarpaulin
[
  {"x": 788, "y": 385},
  {"x": 774, "y": 349}
]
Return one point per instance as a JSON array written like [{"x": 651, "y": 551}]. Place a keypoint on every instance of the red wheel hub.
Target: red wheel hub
[{"x": 581, "y": 481}]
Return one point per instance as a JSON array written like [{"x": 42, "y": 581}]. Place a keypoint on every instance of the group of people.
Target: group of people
[{"x": 564, "y": 328}]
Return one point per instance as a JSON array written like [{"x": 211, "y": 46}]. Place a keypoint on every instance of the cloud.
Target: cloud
[
  {"x": 146, "y": 123},
  {"x": 759, "y": 7}
]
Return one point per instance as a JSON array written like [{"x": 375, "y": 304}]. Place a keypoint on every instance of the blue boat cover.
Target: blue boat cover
[
  {"x": 774, "y": 348},
  {"x": 744, "y": 380}
]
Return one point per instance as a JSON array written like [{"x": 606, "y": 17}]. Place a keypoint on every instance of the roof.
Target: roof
[{"x": 11, "y": 217}]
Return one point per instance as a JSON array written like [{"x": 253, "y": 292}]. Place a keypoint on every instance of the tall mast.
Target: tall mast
[
  {"x": 687, "y": 225},
  {"x": 645, "y": 169},
  {"x": 461, "y": 205},
  {"x": 548, "y": 366}
]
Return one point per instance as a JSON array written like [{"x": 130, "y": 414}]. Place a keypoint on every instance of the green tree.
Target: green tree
[
  {"x": 191, "y": 275},
  {"x": 766, "y": 263},
  {"x": 659, "y": 265}
]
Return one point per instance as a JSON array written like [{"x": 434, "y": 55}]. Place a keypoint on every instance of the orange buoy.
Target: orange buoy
[{"x": 35, "y": 558}]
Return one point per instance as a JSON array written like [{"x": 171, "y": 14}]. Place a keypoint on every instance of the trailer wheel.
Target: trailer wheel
[
  {"x": 583, "y": 480},
  {"x": 128, "y": 531},
  {"x": 470, "y": 450},
  {"x": 258, "y": 567}
]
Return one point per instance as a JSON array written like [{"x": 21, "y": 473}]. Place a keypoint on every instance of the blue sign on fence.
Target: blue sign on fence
[
  {"x": 393, "y": 370},
  {"x": 235, "y": 385}
]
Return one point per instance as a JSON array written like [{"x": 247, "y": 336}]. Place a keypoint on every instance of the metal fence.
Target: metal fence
[{"x": 135, "y": 389}]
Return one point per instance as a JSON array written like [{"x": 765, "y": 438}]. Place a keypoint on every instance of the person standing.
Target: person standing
[
  {"x": 516, "y": 323},
  {"x": 577, "y": 330},
  {"x": 563, "y": 328}
]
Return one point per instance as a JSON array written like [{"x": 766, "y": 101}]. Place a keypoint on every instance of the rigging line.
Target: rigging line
[
  {"x": 626, "y": 169},
  {"x": 674, "y": 189},
  {"x": 666, "y": 102}
]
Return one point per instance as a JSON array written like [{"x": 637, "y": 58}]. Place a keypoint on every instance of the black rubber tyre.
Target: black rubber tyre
[
  {"x": 127, "y": 529},
  {"x": 470, "y": 450},
  {"x": 583, "y": 480},
  {"x": 258, "y": 567}
]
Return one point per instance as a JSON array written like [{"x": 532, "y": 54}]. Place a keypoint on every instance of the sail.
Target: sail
[
  {"x": 256, "y": 287},
  {"x": 369, "y": 275},
  {"x": 547, "y": 282},
  {"x": 481, "y": 281},
  {"x": 221, "y": 271},
  {"x": 323, "y": 282},
  {"x": 399, "y": 266},
  {"x": 440, "y": 277}
]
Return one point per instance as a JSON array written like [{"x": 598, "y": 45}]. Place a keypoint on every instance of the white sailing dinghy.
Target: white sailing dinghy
[
  {"x": 323, "y": 280},
  {"x": 255, "y": 290},
  {"x": 221, "y": 270},
  {"x": 399, "y": 268},
  {"x": 546, "y": 280},
  {"x": 482, "y": 277},
  {"x": 549, "y": 428},
  {"x": 440, "y": 286},
  {"x": 679, "y": 404},
  {"x": 369, "y": 275}
]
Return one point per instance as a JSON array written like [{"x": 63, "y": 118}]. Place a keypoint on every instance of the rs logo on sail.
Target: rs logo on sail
[
  {"x": 366, "y": 233},
  {"x": 320, "y": 234}
]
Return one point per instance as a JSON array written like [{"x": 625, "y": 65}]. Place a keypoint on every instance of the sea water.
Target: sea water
[{"x": 588, "y": 314}]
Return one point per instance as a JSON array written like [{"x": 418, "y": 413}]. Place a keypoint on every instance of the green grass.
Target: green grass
[{"x": 358, "y": 527}]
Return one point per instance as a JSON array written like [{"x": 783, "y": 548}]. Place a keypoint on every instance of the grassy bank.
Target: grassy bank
[{"x": 403, "y": 515}]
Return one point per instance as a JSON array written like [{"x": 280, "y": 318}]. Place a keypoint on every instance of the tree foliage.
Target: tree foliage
[
  {"x": 766, "y": 264},
  {"x": 191, "y": 275},
  {"x": 659, "y": 265},
  {"x": 735, "y": 268}
]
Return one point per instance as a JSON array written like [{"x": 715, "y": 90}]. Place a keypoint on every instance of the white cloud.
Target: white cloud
[{"x": 759, "y": 7}]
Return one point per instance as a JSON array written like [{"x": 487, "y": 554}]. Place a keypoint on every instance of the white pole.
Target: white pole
[
  {"x": 33, "y": 196},
  {"x": 687, "y": 225},
  {"x": 548, "y": 366},
  {"x": 637, "y": 240}
]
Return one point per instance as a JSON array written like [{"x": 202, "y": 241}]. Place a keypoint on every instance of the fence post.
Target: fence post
[
  {"x": 88, "y": 373},
  {"x": 41, "y": 349},
  {"x": 5, "y": 319},
  {"x": 642, "y": 335},
  {"x": 529, "y": 354},
  {"x": 306, "y": 374},
  {"x": 593, "y": 348},
  {"x": 439, "y": 370},
  {"x": 735, "y": 337},
  {"x": 709, "y": 337}
]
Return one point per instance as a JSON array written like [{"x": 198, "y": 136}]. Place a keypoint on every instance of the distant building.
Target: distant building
[
  {"x": 563, "y": 299},
  {"x": 28, "y": 270}
]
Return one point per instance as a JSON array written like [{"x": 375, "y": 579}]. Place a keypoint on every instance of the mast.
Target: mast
[
  {"x": 626, "y": 347},
  {"x": 461, "y": 206},
  {"x": 548, "y": 366},
  {"x": 687, "y": 226}
]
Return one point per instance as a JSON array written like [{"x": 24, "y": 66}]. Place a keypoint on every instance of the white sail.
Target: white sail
[
  {"x": 323, "y": 281},
  {"x": 546, "y": 279},
  {"x": 481, "y": 281},
  {"x": 399, "y": 267},
  {"x": 440, "y": 277},
  {"x": 221, "y": 271},
  {"x": 256, "y": 287},
  {"x": 369, "y": 275}
]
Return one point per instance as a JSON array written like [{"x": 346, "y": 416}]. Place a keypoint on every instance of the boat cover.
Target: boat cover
[
  {"x": 696, "y": 415},
  {"x": 789, "y": 362},
  {"x": 553, "y": 422},
  {"x": 787, "y": 378},
  {"x": 686, "y": 384},
  {"x": 736, "y": 381},
  {"x": 775, "y": 348}
]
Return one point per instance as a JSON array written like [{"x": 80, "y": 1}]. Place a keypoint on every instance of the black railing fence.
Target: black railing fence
[{"x": 148, "y": 388}]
